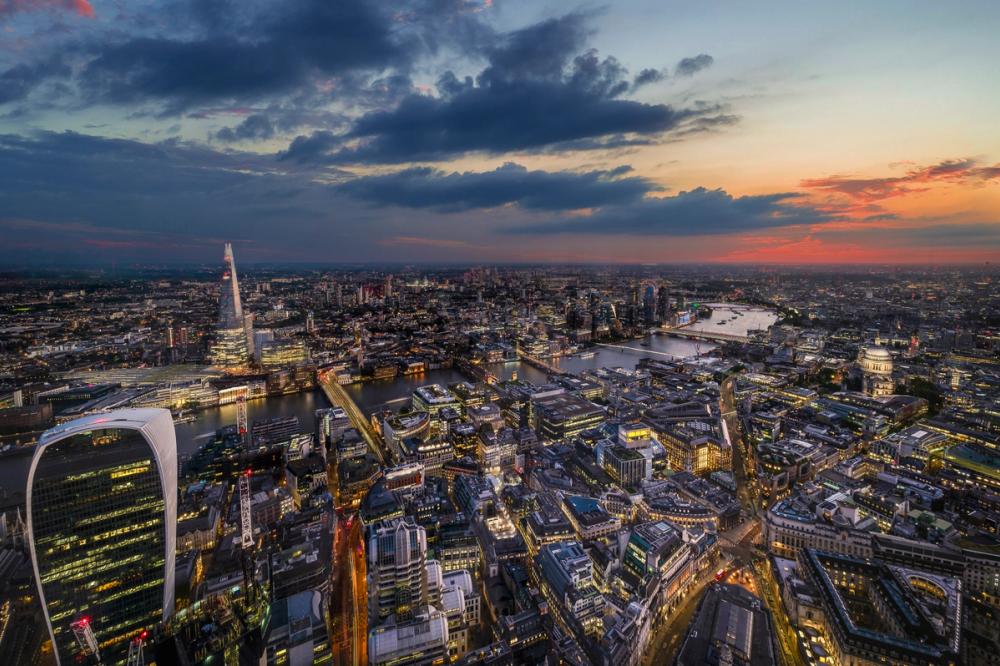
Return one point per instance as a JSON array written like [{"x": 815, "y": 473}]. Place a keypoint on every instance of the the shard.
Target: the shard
[
  {"x": 230, "y": 308},
  {"x": 233, "y": 338}
]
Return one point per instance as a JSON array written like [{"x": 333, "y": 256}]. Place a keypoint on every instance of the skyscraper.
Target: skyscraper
[
  {"x": 102, "y": 514},
  {"x": 397, "y": 569},
  {"x": 234, "y": 337}
]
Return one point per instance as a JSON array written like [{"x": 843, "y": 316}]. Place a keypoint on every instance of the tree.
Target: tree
[{"x": 922, "y": 388}]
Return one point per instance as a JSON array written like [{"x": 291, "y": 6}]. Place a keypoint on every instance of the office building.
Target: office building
[
  {"x": 297, "y": 631},
  {"x": 567, "y": 574},
  {"x": 397, "y": 573},
  {"x": 102, "y": 505},
  {"x": 561, "y": 415},
  {"x": 420, "y": 642}
]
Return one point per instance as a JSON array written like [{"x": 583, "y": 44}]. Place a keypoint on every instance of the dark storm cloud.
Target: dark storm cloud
[
  {"x": 537, "y": 92},
  {"x": 253, "y": 127},
  {"x": 697, "y": 212},
  {"x": 647, "y": 76},
  {"x": 18, "y": 81},
  {"x": 424, "y": 187},
  {"x": 128, "y": 185},
  {"x": 262, "y": 54},
  {"x": 691, "y": 66}
]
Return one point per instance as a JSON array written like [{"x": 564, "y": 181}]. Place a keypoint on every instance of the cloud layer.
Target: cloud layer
[
  {"x": 696, "y": 212},
  {"x": 423, "y": 187},
  {"x": 540, "y": 90}
]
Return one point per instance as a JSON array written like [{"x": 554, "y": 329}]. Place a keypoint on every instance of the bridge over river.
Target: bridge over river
[{"x": 692, "y": 334}]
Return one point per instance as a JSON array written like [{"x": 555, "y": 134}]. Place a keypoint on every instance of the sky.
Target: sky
[{"x": 479, "y": 131}]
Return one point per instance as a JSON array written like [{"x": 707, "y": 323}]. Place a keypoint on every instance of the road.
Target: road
[
  {"x": 349, "y": 595},
  {"x": 742, "y": 472},
  {"x": 788, "y": 645},
  {"x": 737, "y": 544},
  {"x": 669, "y": 632}
]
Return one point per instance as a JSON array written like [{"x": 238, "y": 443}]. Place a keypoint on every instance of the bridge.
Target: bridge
[
  {"x": 690, "y": 334},
  {"x": 336, "y": 394},
  {"x": 536, "y": 362},
  {"x": 477, "y": 372},
  {"x": 641, "y": 350}
]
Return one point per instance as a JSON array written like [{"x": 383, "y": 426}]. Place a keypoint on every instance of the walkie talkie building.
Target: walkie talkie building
[{"x": 102, "y": 513}]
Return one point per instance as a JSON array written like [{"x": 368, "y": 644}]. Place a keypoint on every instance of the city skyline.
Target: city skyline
[
  {"x": 500, "y": 466},
  {"x": 497, "y": 132}
]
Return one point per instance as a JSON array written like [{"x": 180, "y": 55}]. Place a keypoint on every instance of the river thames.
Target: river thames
[{"x": 373, "y": 395}]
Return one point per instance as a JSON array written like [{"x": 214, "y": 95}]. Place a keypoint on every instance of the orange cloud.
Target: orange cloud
[
  {"x": 916, "y": 180},
  {"x": 79, "y": 7}
]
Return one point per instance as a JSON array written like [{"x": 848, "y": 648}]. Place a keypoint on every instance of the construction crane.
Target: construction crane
[
  {"x": 135, "y": 650},
  {"x": 241, "y": 419},
  {"x": 246, "y": 534},
  {"x": 246, "y": 527},
  {"x": 84, "y": 633}
]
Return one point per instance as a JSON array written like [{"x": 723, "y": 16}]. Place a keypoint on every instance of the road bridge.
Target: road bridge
[
  {"x": 691, "y": 334},
  {"x": 536, "y": 362},
  {"x": 336, "y": 394},
  {"x": 638, "y": 350}
]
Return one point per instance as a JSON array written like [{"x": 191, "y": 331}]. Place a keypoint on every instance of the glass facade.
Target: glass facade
[{"x": 98, "y": 525}]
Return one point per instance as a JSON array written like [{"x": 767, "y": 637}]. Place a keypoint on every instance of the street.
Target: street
[{"x": 349, "y": 595}]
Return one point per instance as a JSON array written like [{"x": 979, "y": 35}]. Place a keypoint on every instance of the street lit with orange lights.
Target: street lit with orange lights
[{"x": 348, "y": 602}]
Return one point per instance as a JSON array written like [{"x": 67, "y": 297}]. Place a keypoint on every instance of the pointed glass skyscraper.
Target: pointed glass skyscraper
[
  {"x": 234, "y": 336},
  {"x": 230, "y": 307}
]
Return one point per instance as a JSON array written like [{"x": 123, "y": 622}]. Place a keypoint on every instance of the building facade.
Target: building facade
[{"x": 102, "y": 514}]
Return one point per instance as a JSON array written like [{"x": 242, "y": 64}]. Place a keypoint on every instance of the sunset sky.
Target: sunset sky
[{"x": 477, "y": 131}]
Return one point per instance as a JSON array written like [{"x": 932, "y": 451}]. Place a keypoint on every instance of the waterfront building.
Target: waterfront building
[
  {"x": 102, "y": 514},
  {"x": 331, "y": 424},
  {"x": 433, "y": 398},
  {"x": 397, "y": 428},
  {"x": 283, "y": 353}
]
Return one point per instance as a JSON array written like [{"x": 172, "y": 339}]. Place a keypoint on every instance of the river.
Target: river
[
  {"x": 735, "y": 319},
  {"x": 372, "y": 395}
]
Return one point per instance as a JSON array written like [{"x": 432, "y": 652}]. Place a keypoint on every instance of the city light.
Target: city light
[{"x": 539, "y": 334}]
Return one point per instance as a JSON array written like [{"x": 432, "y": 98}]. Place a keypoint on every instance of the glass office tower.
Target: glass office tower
[{"x": 102, "y": 507}]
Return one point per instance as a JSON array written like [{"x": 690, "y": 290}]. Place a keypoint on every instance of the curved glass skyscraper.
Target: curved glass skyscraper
[{"x": 102, "y": 513}]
